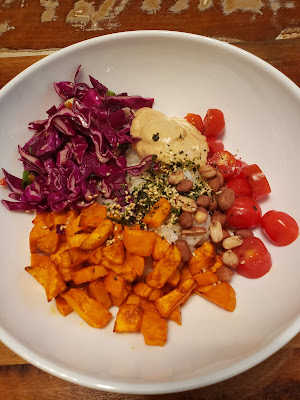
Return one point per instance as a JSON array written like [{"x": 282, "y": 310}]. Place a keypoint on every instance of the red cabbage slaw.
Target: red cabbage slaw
[{"x": 78, "y": 151}]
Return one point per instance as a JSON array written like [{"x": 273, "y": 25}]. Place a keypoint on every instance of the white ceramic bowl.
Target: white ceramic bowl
[{"x": 184, "y": 73}]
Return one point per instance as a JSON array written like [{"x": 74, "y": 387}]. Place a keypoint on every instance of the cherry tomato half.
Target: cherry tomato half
[
  {"x": 279, "y": 227},
  {"x": 245, "y": 213},
  {"x": 214, "y": 123},
  {"x": 257, "y": 180},
  {"x": 255, "y": 260},
  {"x": 195, "y": 120},
  {"x": 215, "y": 145},
  {"x": 224, "y": 162},
  {"x": 240, "y": 186}
]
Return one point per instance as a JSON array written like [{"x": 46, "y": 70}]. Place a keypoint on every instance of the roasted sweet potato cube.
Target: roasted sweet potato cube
[
  {"x": 142, "y": 290},
  {"x": 76, "y": 239},
  {"x": 158, "y": 213},
  {"x": 37, "y": 232},
  {"x": 95, "y": 256},
  {"x": 49, "y": 278},
  {"x": 37, "y": 260},
  {"x": 175, "y": 315},
  {"x": 138, "y": 242},
  {"x": 123, "y": 270},
  {"x": 221, "y": 294},
  {"x": 55, "y": 218},
  {"x": 66, "y": 272},
  {"x": 164, "y": 268},
  {"x": 39, "y": 217},
  {"x": 115, "y": 252},
  {"x": 135, "y": 262},
  {"x": 173, "y": 281},
  {"x": 78, "y": 256},
  {"x": 98, "y": 236},
  {"x": 47, "y": 244},
  {"x": 154, "y": 328},
  {"x": 73, "y": 226},
  {"x": 97, "y": 291},
  {"x": 204, "y": 257},
  {"x": 156, "y": 294},
  {"x": 114, "y": 284},
  {"x": 206, "y": 278},
  {"x": 217, "y": 264},
  {"x": 118, "y": 300},
  {"x": 62, "y": 306},
  {"x": 62, "y": 260},
  {"x": 93, "y": 215},
  {"x": 90, "y": 310},
  {"x": 160, "y": 247},
  {"x": 129, "y": 318},
  {"x": 89, "y": 274},
  {"x": 185, "y": 274},
  {"x": 133, "y": 298},
  {"x": 166, "y": 304}
]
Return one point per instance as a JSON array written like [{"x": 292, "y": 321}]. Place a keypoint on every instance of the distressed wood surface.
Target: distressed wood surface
[{"x": 270, "y": 29}]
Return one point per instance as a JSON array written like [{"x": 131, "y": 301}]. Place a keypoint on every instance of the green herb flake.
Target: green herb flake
[{"x": 155, "y": 137}]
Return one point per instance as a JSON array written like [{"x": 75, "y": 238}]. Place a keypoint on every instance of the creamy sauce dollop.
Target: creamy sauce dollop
[{"x": 171, "y": 139}]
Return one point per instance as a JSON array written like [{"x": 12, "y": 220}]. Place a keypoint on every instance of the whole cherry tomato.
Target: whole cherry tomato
[
  {"x": 240, "y": 186},
  {"x": 245, "y": 213},
  {"x": 214, "y": 123},
  {"x": 259, "y": 184},
  {"x": 254, "y": 258},
  {"x": 225, "y": 162},
  {"x": 195, "y": 120},
  {"x": 279, "y": 227},
  {"x": 215, "y": 145}
]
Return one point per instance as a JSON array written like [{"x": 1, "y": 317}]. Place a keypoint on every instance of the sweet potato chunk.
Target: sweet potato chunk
[
  {"x": 206, "y": 278},
  {"x": 95, "y": 256},
  {"x": 221, "y": 294},
  {"x": 37, "y": 260},
  {"x": 174, "y": 279},
  {"x": 89, "y": 274},
  {"x": 139, "y": 242},
  {"x": 49, "y": 278},
  {"x": 217, "y": 264},
  {"x": 90, "y": 310},
  {"x": 154, "y": 328},
  {"x": 73, "y": 226},
  {"x": 97, "y": 291},
  {"x": 115, "y": 252},
  {"x": 98, "y": 236},
  {"x": 204, "y": 257},
  {"x": 158, "y": 213},
  {"x": 92, "y": 216},
  {"x": 47, "y": 244},
  {"x": 164, "y": 268},
  {"x": 114, "y": 284},
  {"x": 37, "y": 232},
  {"x": 62, "y": 306},
  {"x": 118, "y": 300},
  {"x": 133, "y": 299},
  {"x": 175, "y": 315},
  {"x": 136, "y": 263},
  {"x": 142, "y": 290},
  {"x": 170, "y": 301},
  {"x": 76, "y": 239},
  {"x": 123, "y": 270},
  {"x": 129, "y": 318},
  {"x": 160, "y": 247}
]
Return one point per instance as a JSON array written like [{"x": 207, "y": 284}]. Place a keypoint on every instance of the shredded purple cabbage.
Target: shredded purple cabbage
[{"x": 77, "y": 153}]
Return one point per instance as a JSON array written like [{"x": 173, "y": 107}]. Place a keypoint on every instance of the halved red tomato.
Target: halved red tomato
[
  {"x": 254, "y": 259},
  {"x": 279, "y": 227},
  {"x": 195, "y": 120},
  {"x": 225, "y": 162},
  {"x": 259, "y": 184},
  {"x": 240, "y": 186},
  {"x": 245, "y": 213},
  {"x": 215, "y": 145},
  {"x": 214, "y": 123}
]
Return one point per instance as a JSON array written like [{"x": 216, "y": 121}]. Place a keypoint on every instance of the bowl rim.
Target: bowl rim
[{"x": 151, "y": 388}]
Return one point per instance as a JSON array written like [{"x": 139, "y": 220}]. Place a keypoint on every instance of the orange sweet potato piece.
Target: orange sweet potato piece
[
  {"x": 154, "y": 328},
  {"x": 221, "y": 294},
  {"x": 138, "y": 242},
  {"x": 115, "y": 252},
  {"x": 118, "y": 300},
  {"x": 95, "y": 256},
  {"x": 37, "y": 260},
  {"x": 166, "y": 304},
  {"x": 174, "y": 279},
  {"x": 39, "y": 217},
  {"x": 155, "y": 294},
  {"x": 89, "y": 274},
  {"x": 76, "y": 239},
  {"x": 49, "y": 278},
  {"x": 218, "y": 263},
  {"x": 92, "y": 216},
  {"x": 37, "y": 232},
  {"x": 175, "y": 315},
  {"x": 114, "y": 284},
  {"x": 47, "y": 244},
  {"x": 90, "y": 310},
  {"x": 142, "y": 290},
  {"x": 158, "y": 213},
  {"x": 129, "y": 318},
  {"x": 62, "y": 306},
  {"x": 98, "y": 236},
  {"x": 97, "y": 291},
  {"x": 73, "y": 226},
  {"x": 160, "y": 247},
  {"x": 136, "y": 263},
  {"x": 66, "y": 272},
  {"x": 185, "y": 274},
  {"x": 206, "y": 278},
  {"x": 133, "y": 299},
  {"x": 204, "y": 257},
  {"x": 164, "y": 268},
  {"x": 123, "y": 270}
]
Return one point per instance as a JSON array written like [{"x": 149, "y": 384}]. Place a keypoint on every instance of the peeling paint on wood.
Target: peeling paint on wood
[
  {"x": 151, "y": 6},
  {"x": 204, "y": 4},
  {"x": 289, "y": 33},
  {"x": 180, "y": 5},
  {"x": 49, "y": 13},
  {"x": 244, "y": 5},
  {"x": 5, "y": 27}
]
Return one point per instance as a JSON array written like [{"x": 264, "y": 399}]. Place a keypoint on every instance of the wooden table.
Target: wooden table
[{"x": 32, "y": 29}]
